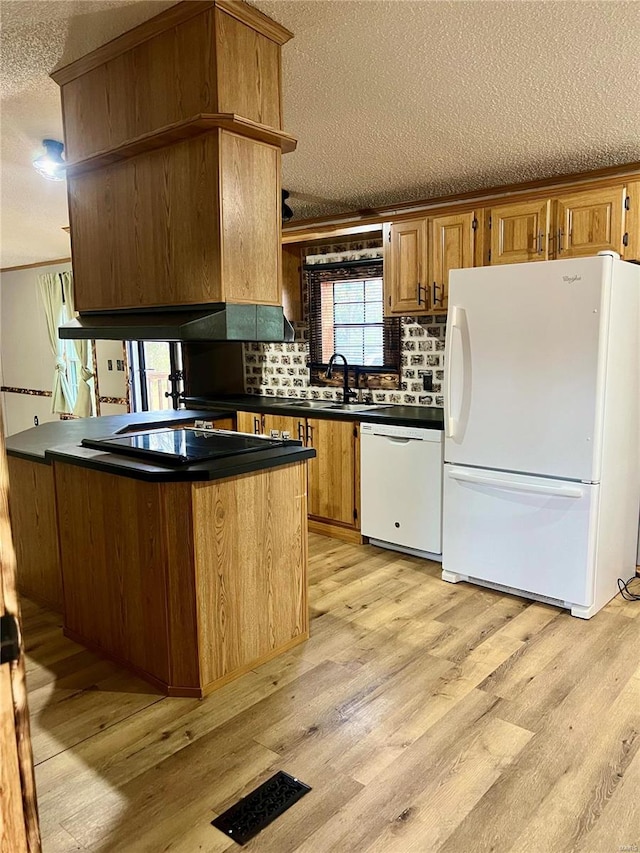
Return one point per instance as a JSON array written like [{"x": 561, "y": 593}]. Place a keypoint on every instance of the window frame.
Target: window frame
[{"x": 360, "y": 270}]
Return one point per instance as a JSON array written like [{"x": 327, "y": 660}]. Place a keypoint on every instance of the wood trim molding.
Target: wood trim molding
[
  {"x": 166, "y": 20},
  {"x": 179, "y": 131},
  {"x": 255, "y": 19},
  {"x": 335, "y": 531},
  {"x": 346, "y": 223},
  {"x": 34, "y": 266}
]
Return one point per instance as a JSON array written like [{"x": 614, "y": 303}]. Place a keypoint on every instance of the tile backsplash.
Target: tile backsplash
[{"x": 280, "y": 370}]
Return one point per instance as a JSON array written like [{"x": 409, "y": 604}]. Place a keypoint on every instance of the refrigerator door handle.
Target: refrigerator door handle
[
  {"x": 450, "y": 424},
  {"x": 536, "y": 488}
]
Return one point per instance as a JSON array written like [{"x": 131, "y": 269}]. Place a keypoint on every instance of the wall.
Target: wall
[
  {"x": 112, "y": 383},
  {"x": 280, "y": 370},
  {"x": 26, "y": 357},
  {"x": 27, "y": 360}
]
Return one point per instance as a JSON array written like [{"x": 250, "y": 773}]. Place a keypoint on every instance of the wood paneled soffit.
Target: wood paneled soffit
[
  {"x": 168, "y": 19},
  {"x": 179, "y": 131}
]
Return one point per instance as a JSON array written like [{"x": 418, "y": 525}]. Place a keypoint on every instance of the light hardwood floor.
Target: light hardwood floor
[{"x": 426, "y": 717}]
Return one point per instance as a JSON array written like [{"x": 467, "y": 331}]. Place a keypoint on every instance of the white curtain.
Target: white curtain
[
  {"x": 83, "y": 407},
  {"x": 51, "y": 291}
]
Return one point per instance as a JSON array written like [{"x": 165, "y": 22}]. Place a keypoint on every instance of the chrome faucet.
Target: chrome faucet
[{"x": 346, "y": 391}]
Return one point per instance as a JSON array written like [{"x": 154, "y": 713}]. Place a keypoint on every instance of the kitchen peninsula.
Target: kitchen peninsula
[{"x": 188, "y": 576}]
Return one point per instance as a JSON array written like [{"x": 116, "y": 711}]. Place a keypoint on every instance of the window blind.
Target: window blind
[{"x": 346, "y": 316}]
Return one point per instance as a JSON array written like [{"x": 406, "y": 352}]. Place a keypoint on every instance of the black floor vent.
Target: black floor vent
[{"x": 258, "y": 809}]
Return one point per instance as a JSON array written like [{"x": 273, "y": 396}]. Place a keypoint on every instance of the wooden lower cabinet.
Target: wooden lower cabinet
[
  {"x": 285, "y": 427},
  {"x": 188, "y": 584},
  {"x": 249, "y": 422},
  {"x": 35, "y": 537},
  {"x": 333, "y": 487},
  {"x": 334, "y": 473}
]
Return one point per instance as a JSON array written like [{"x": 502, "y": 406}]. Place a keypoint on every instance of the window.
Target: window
[
  {"x": 156, "y": 370},
  {"x": 346, "y": 316},
  {"x": 352, "y": 321}
]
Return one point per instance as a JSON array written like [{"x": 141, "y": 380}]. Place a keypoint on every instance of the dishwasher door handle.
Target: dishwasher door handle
[{"x": 395, "y": 440}]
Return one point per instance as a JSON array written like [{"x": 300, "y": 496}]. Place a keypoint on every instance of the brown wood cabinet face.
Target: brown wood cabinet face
[
  {"x": 292, "y": 284},
  {"x": 167, "y": 78},
  {"x": 146, "y": 232},
  {"x": 519, "y": 232},
  {"x": 35, "y": 535},
  {"x": 451, "y": 246},
  {"x": 225, "y": 423},
  {"x": 332, "y": 473},
  {"x": 113, "y": 557},
  {"x": 590, "y": 222},
  {"x": 250, "y": 422},
  {"x": 250, "y": 217},
  {"x": 252, "y": 568},
  {"x": 295, "y": 427},
  {"x": 406, "y": 268},
  {"x": 632, "y": 222},
  {"x": 248, "y": 72}
]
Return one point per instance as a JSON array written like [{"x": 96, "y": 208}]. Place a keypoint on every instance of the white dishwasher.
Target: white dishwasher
[{"x": 401, "y": 487}]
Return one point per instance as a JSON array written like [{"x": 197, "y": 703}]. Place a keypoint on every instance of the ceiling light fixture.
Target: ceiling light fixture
[{"x": 50, "y": 164}]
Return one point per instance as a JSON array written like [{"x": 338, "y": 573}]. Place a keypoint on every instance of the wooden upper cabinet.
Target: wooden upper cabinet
[
  {"x": 191, "y": 223},
  {"x": 520, "y": 232},
  {"x": 174, "y": 142},
  {"x": 189, "y": 60},
  {"x": 332, "y": 488},
  {"x": 405, "y": 268},
  {"x": 632, "y": 222},
  {"x": 590, "y": 222},
  {"x": 451, "y": 246},
  {"x": 292, "y": 283},
  {"x": 250, "y": 221}
]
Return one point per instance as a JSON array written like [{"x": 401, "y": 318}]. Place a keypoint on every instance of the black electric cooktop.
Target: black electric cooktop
[{"x": 183, "y": 446}]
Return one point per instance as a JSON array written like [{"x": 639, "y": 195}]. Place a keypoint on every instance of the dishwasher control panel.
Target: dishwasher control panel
[{"x": 394, "y": 431}]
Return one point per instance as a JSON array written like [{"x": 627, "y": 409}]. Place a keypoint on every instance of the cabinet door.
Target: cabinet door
[
  {"x": 520, "y": 232},
  {"x": 292, "y": 284},
  {"x": 406, "y": 268},
  {"x": 250, "y": 422},
  {"x": 589, "y": 222},
  {"x": 285, "y": 427},
  {"x": 632, "y": 222},
  {"x": 225, "y": 423},
  {"x": 332, "y": 473},
  {"x": 451, "y": 247}
]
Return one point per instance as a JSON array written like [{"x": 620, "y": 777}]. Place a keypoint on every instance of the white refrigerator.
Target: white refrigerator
[{"x": 542, "y": 429}]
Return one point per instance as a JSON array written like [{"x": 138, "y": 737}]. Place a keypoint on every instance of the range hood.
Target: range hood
[{"x": 211, "y": 322}]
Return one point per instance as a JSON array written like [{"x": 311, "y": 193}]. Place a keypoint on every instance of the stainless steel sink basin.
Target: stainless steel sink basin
[
  {"x": 309, "y": 404},
  {"x": 326, "y": 405},
  {"x": 358, "y": 407}
]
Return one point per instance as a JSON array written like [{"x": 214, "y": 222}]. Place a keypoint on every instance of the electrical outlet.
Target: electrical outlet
[
  {"x": 427, "y": 381},
  {"x": 120, "y": 364},
  {"x": 109, "y": 364}
]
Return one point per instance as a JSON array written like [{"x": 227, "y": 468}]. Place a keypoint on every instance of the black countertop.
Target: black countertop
[
  {"x": 428, "y": 417},
  {"x": 60, "y": 441}
]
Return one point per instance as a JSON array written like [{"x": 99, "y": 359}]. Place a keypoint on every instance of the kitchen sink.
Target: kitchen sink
[
  {"x": 308, "y": 404},
  {"x": 358, "y": 407},
  {"x": 326, "y": 405}
]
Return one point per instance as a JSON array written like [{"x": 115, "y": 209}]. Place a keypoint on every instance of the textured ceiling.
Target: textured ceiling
[{"x": 390, "y": 101}]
